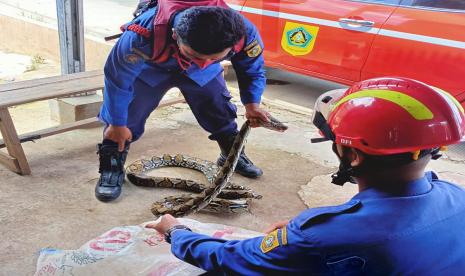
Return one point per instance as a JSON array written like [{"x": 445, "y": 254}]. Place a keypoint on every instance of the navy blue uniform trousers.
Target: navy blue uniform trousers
[{"x": 210, "y": 104}]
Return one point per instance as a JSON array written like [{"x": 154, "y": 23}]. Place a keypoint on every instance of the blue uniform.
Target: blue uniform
[
  {"x": 134, "y": 86},
  {"x": 419, "y": 231}
]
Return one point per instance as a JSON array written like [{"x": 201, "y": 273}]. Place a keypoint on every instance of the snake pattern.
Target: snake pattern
[{"x": 218, "y": 196}]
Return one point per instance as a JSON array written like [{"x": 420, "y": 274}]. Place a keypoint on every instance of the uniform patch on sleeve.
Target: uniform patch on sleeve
[
  {"x": 253, "y": 49},
  {"x": 132, "y": 58},
  {"x": 284, "y": 235},
  {"x": 270, "y": 242}
]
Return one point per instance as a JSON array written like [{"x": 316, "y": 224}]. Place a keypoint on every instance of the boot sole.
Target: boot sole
[
  {"x": 253, "y": 176},
  {"x": 106, "y": 198},
  {"x": 218, "y": 163}
]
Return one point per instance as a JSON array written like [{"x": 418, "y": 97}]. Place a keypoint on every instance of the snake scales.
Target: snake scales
[{"x": 219, "y": 196}]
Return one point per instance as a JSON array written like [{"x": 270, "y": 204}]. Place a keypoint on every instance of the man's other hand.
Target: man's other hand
[
  {"x": 255, "y": 114},
  {"x": 118, "y": 134},
  {"x": 276, "y": 225},
  {"x": 166, "y": 222}
]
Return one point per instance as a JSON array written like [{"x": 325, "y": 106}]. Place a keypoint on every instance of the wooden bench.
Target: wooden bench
[{"x": 17, "y": 93}]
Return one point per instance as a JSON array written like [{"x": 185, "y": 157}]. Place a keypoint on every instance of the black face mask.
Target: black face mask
[{"x": 345, "y": 172}]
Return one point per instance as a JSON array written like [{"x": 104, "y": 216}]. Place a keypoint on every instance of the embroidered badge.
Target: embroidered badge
[
  {"x": 253, "y": 49},
  {"x": 132, "y": 58},
  {"x": 270, "y": 242}
]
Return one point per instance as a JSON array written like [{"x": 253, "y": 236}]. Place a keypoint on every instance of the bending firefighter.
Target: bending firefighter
[
  {"x": 403, "y": 221},
  {"x": 179, "y": 44}
]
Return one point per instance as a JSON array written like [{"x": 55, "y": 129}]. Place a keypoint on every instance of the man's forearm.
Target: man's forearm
[
  {"x": 196, "y": 249},
  {"x": 218, "y": 255}
]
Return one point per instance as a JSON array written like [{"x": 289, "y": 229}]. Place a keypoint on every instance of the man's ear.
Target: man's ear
[
  {"x": 356, "y": 157},
  {"x": 174, "y": 35}
]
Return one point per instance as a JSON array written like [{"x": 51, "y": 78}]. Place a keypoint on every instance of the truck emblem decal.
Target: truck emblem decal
[{"x": 298, "y": 39}]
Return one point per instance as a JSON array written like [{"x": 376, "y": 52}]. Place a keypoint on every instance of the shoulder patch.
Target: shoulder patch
[
  {"x": 311, "y": 215},
  {"x": 274, "y": 239},
  {"x": 132, "y": 58},
  {"x": 253, "y": 49},
  {"x": 270, "y": 242}
]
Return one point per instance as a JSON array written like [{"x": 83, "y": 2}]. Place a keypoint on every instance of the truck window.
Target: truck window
[
  {"x": 436, "y": 4},
  {"x": 388, "y": 2}
]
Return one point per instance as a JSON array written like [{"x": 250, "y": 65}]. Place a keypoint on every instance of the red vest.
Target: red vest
[
  {"x": 162, "y": 51},
  {"x": 163, "y": 45}
]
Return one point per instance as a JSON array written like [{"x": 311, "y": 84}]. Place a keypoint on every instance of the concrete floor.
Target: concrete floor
[{"x": 55, "y": 206}]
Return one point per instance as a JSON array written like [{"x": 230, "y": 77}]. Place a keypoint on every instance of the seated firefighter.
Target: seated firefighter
[
  {"x": 402, "y": 221},
  {"x": 179, "y": 44}
]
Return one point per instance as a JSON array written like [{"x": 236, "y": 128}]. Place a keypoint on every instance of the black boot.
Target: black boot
[
  {"x": 244, "y": 167},
  {"x": 111, "y": 171}
]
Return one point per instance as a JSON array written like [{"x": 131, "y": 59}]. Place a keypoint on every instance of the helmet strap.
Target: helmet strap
[
  {"x": 346, "y": 171},
  {"x": 343, "y": 175},
  {"x": 320, "y": 122},
  {"x": 435, "y": 155}
]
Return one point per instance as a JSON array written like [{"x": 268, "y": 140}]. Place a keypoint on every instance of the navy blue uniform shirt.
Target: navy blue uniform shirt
[
  {"x": 125, "y": 64},
  {"x": 420, "y": 231}
]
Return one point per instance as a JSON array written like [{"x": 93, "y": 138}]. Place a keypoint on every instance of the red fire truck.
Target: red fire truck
[{"x": 347, "y": 40}]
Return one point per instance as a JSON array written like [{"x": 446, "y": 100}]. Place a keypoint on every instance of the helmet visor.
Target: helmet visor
[{"x": 321, "y": 112}]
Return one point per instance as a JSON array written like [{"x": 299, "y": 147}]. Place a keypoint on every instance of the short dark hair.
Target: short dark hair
[{"x": 210, "y": 30}]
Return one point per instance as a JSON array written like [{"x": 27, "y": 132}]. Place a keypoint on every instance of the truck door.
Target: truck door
[
  {"x": 423, "y": 40},
  {"x": 329, "y": 39}
]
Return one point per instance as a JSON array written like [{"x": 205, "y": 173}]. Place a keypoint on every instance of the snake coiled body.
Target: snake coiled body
[{"x": 219, "y": 196}]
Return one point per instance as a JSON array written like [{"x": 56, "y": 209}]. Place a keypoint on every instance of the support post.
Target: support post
[{"x": 71, "y": 32}]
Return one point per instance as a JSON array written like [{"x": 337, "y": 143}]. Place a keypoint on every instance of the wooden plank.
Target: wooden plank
[
  {"x": 31, "y": 136},
  {"x": 226, "y": 64},
  {"x": 13, "y": 145},
  {"x": 172, "y": 101},
  {"x": 55, "y": 90},
  {"x": 49, "y": 80},
  {"x": 9, "y": 162}
]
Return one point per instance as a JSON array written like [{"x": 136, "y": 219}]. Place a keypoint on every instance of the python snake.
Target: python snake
[{"x": 219, "y": 196}]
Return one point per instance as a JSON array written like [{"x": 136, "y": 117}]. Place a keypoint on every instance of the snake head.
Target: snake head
[
  {"x": 239, "y": 207},
  {"x": 274, "y": 124}
]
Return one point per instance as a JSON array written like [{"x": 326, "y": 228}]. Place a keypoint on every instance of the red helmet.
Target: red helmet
[{"x": 390, "y": 115}]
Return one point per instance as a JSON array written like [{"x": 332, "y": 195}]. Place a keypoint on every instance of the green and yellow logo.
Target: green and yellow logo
[{"x": 298, "y": 39}]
